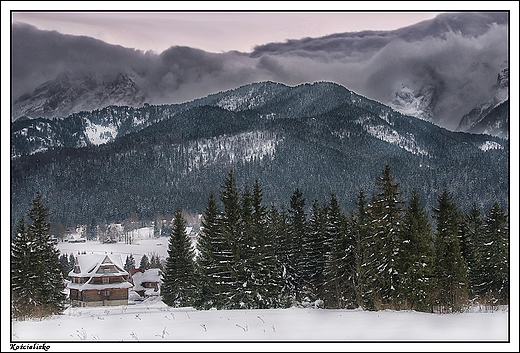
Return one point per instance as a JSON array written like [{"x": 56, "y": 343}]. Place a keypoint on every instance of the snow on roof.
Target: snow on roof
[
  {"x": 151, "y": 275},
  {"x": 89, "y": 264},
  {"x": 88, "y": 285}
]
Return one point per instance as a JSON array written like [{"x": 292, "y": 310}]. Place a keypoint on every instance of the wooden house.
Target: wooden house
[
  {"x": 147, "y": 282},
  {"x": 99, "y": 280}
]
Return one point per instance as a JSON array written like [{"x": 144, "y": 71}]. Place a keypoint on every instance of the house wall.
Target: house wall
[
  {"x": 99, "y": 303},
  {"x": 94, "y": 297}
]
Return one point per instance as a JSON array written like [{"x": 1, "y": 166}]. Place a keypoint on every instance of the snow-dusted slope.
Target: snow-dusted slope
[
  {"x": 491, "y": 117},
  {"x": 419, "y": 105},
  {"x": 71, "y": 93}
]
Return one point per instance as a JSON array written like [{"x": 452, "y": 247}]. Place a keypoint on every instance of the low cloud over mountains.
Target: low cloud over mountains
[{"x": 456, "y": 57}]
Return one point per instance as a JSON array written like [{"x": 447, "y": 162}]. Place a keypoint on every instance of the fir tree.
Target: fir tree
[
  {"x": 316, "y": 247},
  {"x": 36, "y": 271},
  {"x": 66, "y": 266},
  {"x": 72, "y": 260},
  {"x": 297, "y": 233},
  {"x": 386, "y": 215},
  {"x": 263, "y": 258},
  {"x": 246, "y": 267},
  {"x": 144, "y": 264},
  {"x": 471, "y": 233},
  {"x": 277, "y": 231},
  {"x": 214, "y": 260},
  {"x": 178, "y": 287},
  {"x": 493, "y": 280},
  {"x": 155, "y": 261},
  {"x": 417, "y": 258},
  {"x": 232, "y": 226},
  {"x": 363, "y": 245},
  {"x": 340, "y": 260},
  {"x": 450, "y": 268},
  {"x": 129, "y": 263}
]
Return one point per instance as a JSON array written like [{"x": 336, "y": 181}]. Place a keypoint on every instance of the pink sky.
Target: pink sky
[{"x": 213, "y": 31}]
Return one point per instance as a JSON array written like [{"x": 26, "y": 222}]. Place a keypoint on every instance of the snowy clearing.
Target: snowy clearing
[{"x": 152, "y": 320}]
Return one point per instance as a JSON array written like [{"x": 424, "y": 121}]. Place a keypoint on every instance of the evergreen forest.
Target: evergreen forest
[{"x": 387, "y": 253}]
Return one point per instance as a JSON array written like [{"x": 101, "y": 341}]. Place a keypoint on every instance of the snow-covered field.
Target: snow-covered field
[
  {"x": 138, "y": 248},
  {"x": 151, "y": 322}
]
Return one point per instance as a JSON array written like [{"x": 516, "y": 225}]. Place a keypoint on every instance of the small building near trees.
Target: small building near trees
[{"x": 147, "y": 282}]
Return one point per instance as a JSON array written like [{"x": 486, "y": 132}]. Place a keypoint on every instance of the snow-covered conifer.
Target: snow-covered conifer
[
  {"x": 178, "y": 287},
  {"x": 450, "y": 267},
  {"x": 36, "y": 272}
]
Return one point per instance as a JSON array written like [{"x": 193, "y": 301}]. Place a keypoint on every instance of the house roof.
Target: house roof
[
  {"x": 92, "y": 265},
  {"x": 151, "y": 275},
  {"x": 88, "y": 285}
]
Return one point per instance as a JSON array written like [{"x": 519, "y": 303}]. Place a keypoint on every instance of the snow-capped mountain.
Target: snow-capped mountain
[
  {"x": 74, "y": 92},
  {"x": 420, "y": 104},
  {"x": 318, "y": 137},
  {"x": 491, "y": 117}
]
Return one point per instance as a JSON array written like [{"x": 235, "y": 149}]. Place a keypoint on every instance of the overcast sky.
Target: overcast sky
[{"x": 213, "y": 31}]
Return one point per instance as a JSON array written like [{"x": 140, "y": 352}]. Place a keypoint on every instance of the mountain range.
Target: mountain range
[
  {"x": 442, "y": 70},
  {"x": 321, "y": 138}
]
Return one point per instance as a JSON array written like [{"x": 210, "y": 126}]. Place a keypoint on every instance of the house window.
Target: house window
[
  {"x": 105, "y": 280},
  {"x": 107, "y": 293}
]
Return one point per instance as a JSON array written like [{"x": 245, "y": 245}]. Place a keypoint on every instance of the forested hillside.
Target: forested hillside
[{"x": 316, "y": 137}]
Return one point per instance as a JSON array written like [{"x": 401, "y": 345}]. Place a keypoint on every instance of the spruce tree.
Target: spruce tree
[
  {"x": 493, "y": 283},
  {"x": 297, "y": 233},
  {"x": 232, "y": 226},
  {"x": 178, "y": 287},
  {"x": 471, "y": 233},
  {"x": 339, "y": 261},
  {"x": 65, "y": 266},
  {"x": 416, "y": 274},
  {"x": 317, "y": 247},
  {"x": 144, "y": 264},
  {"x": 277, "y": 232},
  {"x": 129, "y": 263},
  {"x": 72, "y": 260},
  {"x": 386, "y": 218},
  {"x": 22, "y": 275},
  {"x": 450, "y": 268},
  {"x": 263, "y": 258},
  {"x": 155, "y": 261},
  {"x": 245, "y": 263},
  {"x": 36, "y": 272},
  {"x": 363, "y": 253},
  {"x": 214, "y": 260}
]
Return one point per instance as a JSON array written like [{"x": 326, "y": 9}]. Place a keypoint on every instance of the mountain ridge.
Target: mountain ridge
[{"x": 289, "y": 137}]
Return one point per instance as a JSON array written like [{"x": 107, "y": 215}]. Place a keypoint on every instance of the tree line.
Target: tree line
[{"x": 387, "y": 253}]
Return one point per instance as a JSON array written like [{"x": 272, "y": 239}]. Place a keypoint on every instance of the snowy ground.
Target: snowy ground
[
  {"x": 138, "y": 248},
  {"x": 151, "y": 323},
  {"x": 152, "y": 320}
]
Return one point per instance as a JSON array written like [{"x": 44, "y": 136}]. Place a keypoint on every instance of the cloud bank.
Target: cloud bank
[{"x": 457, "y": 55}]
